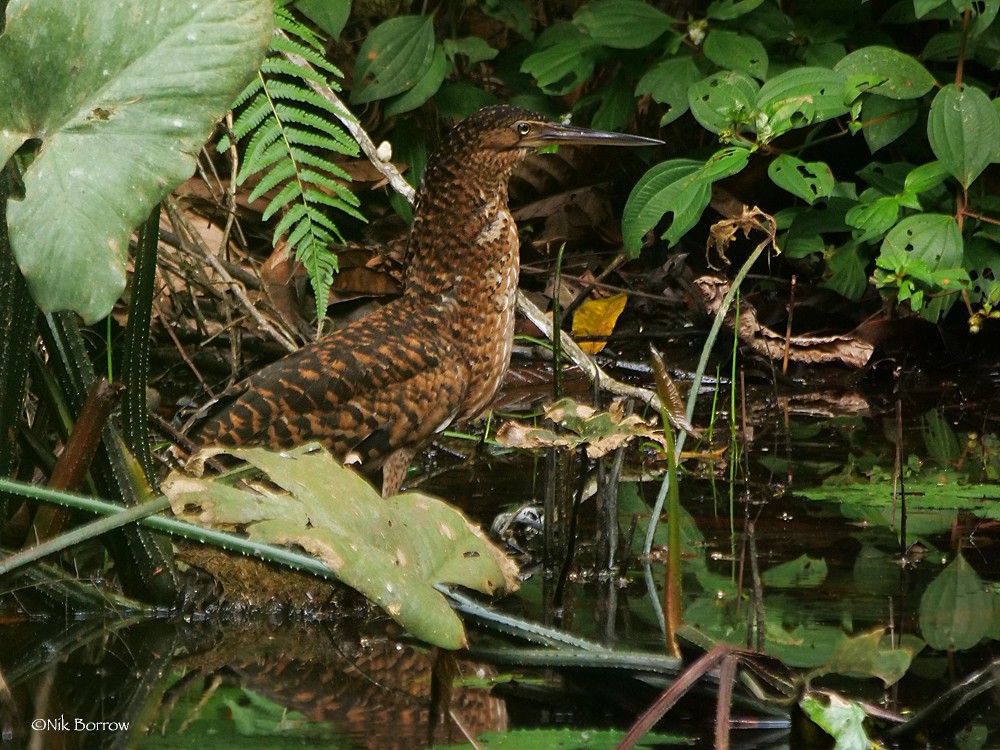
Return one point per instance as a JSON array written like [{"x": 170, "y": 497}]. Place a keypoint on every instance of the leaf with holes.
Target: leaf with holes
[
  {"x": 886, "y": 72},
  {"x": 733, "y": 51},
  {"x": 668, "y": 82},
  {"x": 799, "y": 97},
  {"x": 682, "y": 187},
  {"x": 963, "y": 128},
  {"x": 922, "y": 255},
  {"x": 393, "y": 550},
  {"x": 808, "y": 181},
  {"x": 120, "y": 96},
  {"x": 724, "y": 101}
]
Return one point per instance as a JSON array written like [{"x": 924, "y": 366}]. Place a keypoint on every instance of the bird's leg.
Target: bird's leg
[{"x": 394, "y": 470}]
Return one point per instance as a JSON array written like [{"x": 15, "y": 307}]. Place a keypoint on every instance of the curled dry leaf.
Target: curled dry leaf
[{"x": 848, "y": 349}]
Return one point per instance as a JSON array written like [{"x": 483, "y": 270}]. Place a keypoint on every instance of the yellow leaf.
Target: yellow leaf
[{"x": 597, "y": 317}]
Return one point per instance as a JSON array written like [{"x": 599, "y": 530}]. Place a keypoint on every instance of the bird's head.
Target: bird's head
[{"x": 505, "y": 128}]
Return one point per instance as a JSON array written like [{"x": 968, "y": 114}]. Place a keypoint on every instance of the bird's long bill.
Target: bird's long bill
[{"x": 552, "y": 134}]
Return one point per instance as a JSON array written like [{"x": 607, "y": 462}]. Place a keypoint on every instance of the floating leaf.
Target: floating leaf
[
  {"x": 871, "y": 654},
  {"x": 963, "y": 128},
  {"x": 121, "y": 95},
  {"x": 392, "y": 550},
  {"x": 803, "y": 572},
  {"x": 956, "y": 611},
  {"x": 597, "y": 317}
]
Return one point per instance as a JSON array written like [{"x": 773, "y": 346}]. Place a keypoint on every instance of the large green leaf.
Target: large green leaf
[
  {"x": 393, "y": 550},
  {"x": 733, "y": 51},
  {"x": 799, "y": 97},
  {"x": 723, "y": 101},
  {"x": 963, "y": 129},
  {"x": 668, "y": 82},
  {"x": 395, "y": 55},
  {"x": 884, "y": 120},
  {"x": 955, "y": 610},
  {"x": 809, "y": 181},
  {"x": 564, "y": 59},
  {"x": 886, "y": 72},
  {"x": 622, "y": 24},
  {"x": 121, "y": 96},
  {"x": 682, "y": 187}
]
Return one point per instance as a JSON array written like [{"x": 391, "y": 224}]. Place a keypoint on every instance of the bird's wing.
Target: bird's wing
[{"x": 380, "y": 383}]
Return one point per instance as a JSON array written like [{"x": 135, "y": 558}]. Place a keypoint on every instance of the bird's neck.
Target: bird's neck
[{"x": 463, "y": 236}]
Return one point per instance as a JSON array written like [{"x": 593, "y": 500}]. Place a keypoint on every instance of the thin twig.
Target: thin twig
[{"x": 193, "y": 244}]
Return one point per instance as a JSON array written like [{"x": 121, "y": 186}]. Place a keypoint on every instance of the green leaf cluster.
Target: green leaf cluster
[
  {"x": 292, "y": 130},
  {"x": 782, "y": 88}
]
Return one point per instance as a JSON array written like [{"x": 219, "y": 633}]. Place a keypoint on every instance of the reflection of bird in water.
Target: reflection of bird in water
[{"x": 378, "y": 390}]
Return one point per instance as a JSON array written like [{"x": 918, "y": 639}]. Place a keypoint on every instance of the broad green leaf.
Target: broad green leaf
[
  {"x": 330, "y": 15},
  {"x": 121, "y": 96},
  {"x": 841, "y": 719},
  {"x": 622, "y": 24},
  {"x": 884, "y": 120},
  {"x": 925, "y": 177},
  {"x": 474, "y": 48},
  {"x": 955, "y": 609},
  {"x": 423, "y": 89},
  {"x": 802, "y": 572},
  {"x": 666, "y": 188},
  {"x": 723, "y": 101},
  {"x": 799, "y": 97},
  {"x": 922, "y": 258},
  {"x": 873, "y": 218},
  {"x": 847, "y": 271},
  {"x": 922, "y": 7},
  {"x": 733, "y": 51},
  {"x": 894, "y": 75},
  {"x": 681, "y": 187},
  {"x": 396, "y": 54},
  {"x": 871, "y": 654},
  {"x": 931, "y": 238},
  {"x": 563, "y": 60},
  {"x": 393, "y": 550},
  {"x": 806, "y": 181},
  {"x": 963, "y": 129},
  {"x": 727, "y": 10},
  {"x": 668, "y": 82}
]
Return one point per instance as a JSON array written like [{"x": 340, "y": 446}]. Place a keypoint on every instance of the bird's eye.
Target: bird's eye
[{"x": 522, "y": 128}]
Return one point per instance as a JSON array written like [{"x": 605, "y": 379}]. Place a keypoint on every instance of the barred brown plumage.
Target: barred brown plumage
[{"x": 380, "y": 388}]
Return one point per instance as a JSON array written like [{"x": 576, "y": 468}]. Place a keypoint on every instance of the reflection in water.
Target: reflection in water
[{"x": 104, "y": 683}]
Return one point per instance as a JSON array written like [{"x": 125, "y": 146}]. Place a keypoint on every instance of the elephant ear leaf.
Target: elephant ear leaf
[{"x": 110, "y": 103}]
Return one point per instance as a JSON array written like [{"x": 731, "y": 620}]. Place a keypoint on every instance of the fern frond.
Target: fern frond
[{"x": 289, "y": 134}]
